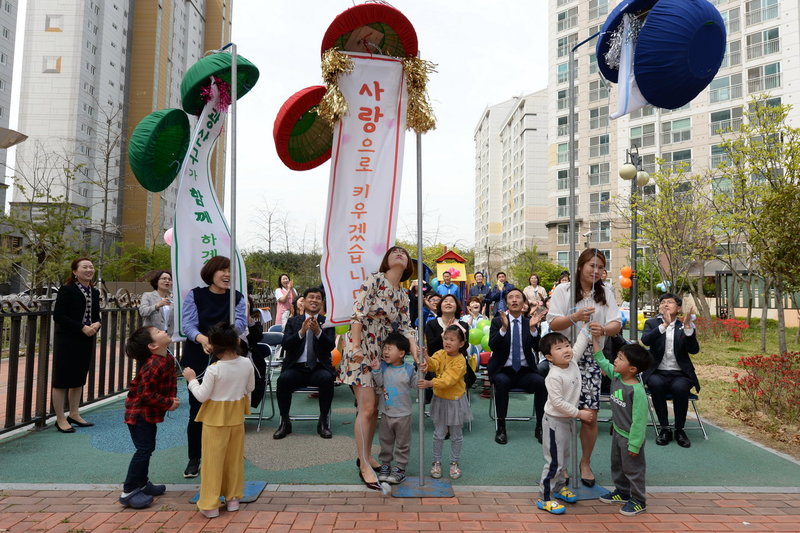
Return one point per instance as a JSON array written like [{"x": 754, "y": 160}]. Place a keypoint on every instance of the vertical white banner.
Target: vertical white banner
[
  {"x": 366, "y": 171},
  {"x": 200, "y": 228},
  {"x": 629, "y": 98}
]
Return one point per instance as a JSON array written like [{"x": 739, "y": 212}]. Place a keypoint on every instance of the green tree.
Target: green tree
[
  {"x": 134, "y": 261},
  {"x": 531, "y": 261}
]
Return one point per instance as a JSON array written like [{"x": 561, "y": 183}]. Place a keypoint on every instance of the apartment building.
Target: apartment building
[{"x": 8, "y": 33}]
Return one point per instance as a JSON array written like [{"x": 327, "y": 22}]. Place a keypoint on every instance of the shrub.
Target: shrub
[
  {"x": 770, "y": 384},
  {"x": 715, "y": 328}
]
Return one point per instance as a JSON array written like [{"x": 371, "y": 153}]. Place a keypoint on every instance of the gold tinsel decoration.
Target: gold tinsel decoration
[
  {"x": 419, "y": 113},
  {"x": 333, "y": 105}
]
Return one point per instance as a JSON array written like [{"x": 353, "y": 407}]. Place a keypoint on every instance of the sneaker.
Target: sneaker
[
  {"x": 614, "y": 497},
  {"x": 383, "y": 473},
  {"x": 136, "y": 499},
  {"x": 154, "y": 490},
  {"x": 551, "y": 506},
  {"x": 192, "y": 469},
  {"x": 232, "y": 504},
  {"x": 566, "y": 495},
  {"x": 632, "y": 508},
  {"x": 455, "y": 471},
  {"x": 436, "y": 470},
  {"x": 397, "y": 476},
  {"x": 210, "y": 513}
]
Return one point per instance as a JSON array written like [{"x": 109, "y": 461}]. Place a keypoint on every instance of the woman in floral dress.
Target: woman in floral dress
[{"x": 380, "y": 308}]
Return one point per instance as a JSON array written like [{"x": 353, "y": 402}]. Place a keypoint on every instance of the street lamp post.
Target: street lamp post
[{"x": 632, "y": 170}]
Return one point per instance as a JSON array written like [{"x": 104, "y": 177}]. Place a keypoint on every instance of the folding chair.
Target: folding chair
[
  {"x": 270, "y": 341},
  {"x": 692, "y": 400},
  {"x": 493, "y": 407}
]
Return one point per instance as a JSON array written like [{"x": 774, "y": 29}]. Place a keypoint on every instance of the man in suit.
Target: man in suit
[
  {"x": 672, "y": 372},
  {"x": 498, "y": 293},
  {"x": 307, "y": 362},
  {"x": 513, "y": 339}
]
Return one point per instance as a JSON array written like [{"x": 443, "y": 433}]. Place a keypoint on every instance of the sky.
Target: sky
[{"x": 487, "y": 51}]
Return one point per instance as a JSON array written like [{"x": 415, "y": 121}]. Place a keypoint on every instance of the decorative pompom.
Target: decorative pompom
[
  {"x": 419, "y": 113},
  {"x": 224, "y": 88},
  {"x": 333, "y": 105}
]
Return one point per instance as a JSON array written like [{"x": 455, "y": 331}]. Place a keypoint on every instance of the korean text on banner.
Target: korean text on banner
[
  {"x": 200, "y": 228},
  {"x": 366, "y": 170}
]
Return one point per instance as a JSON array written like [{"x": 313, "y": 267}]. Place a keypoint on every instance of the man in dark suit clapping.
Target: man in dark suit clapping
[
  {"x": 671, "y": 342},
  {"x": 307, "y": 362},
  {"x": 513, "y": 339}
]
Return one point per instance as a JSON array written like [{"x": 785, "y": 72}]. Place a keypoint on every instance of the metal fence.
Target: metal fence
[{"x": 26, "y": 341}]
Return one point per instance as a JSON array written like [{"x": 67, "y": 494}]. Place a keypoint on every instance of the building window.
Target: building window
[
  {"x": 646, "y": 111},
  {"x": 731, "y": 19},
  {"x": 563, "y": 126},
  {"x": 607, "y": 253},
  {"x": 562, "y": 151},
  {"x": 719, "y": 156},
  {"x": 562, "y": 258},
  {"x": 598, "y": 202},
  {"x": 567, "y": 19},
  {"x": 597, "y": 90},
  {"x": 563, "y": 234},
  {"x": 562, "y": 99},
  {"x": 51, "y": 64},
  {"x": 725, "y": 88},
  {"x": 562, "y": 179},
  {"x": 54, "y": 23},
  {"x": 562, "y": 72},
  {"x": 648, "y": 163},
  {"x": 678, "y": 159},
  {"x": 644, "y": 135},
  {"x": 598, "y": 117},
  {"x": 733, "y": 54},
  {"x": 565, "y": 44},
  {"x": 760, "y": 10},
  {"x": 764, "y": 78},
  {"x": 593, "y": 68},
  {"x": 598, "y": 146},
  {"x": 598, "y": 8},
  {"x": 563, "y": 206},
  {"x": 725, "y": 120},
  {"x": 598, "y": 174},
  {"x": 763, "y": 43},
  {"x": 601, "y": 231},
  {"x": 676, "y": 131}
]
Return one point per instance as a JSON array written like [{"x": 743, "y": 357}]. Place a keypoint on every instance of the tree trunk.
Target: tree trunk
[
  {"x": 764, "y": 310},
  {"x": 797, "y": 337},
  {"x": 700, "y": 300},
  {"x": 781, "y": 319}
]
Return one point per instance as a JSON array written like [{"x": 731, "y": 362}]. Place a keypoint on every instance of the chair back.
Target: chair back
[
  {"x": 276, "y": 328},
  {"x": 272, "y": 338}
]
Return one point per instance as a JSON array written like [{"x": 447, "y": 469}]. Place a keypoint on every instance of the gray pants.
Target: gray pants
[
  {"x": 628, "y": 471},
  {"x": 557, "y": 435},
  {"x": 395, "y": 438},
  {"x": 456, "y": 438}
]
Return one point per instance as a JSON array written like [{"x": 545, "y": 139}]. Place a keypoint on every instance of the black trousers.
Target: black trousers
[
  {"x": 298, "y": 376},
  {"x": 526, "y": 379},
  {"x": 143, "y": 435},
  {"x": 670, "y": 382}
]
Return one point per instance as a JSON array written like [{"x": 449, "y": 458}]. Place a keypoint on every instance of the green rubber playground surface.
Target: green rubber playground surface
[{"x": 100, "y": 454}]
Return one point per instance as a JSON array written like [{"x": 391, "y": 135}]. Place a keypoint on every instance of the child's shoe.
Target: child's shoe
[
  {"x": 397, "y": 476},
  {"x": 383, "y": 473},
  {"x": 551, "y": 506},
  {"x": 232, "y": 504},
  {"x": 436, "y": 470},
  {"x": 136, "y": 499},
  {"x": 154, "y": 490},
  {"x": 632, "y": 508},
  {"x": 455, "y": 471},
  {"x": 614, "y": 497},
  {"x": 566, "y": 495},
  {"x": 210, "y": 513}
]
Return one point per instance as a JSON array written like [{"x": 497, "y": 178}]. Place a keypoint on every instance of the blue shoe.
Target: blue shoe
[
  {"x": 154, "y": 490},
  {"x": 632, "y": 508},
  {"x": 383, "y": 473},
  {"x": 136, "y": 500},
  {"x": 551, "y": 506},
  {"x": 566, "y": 495},
  {"x": 614, "y": 497}
]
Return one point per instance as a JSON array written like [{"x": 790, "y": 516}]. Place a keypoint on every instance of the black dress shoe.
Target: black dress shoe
[
  {"x": 284, "y": 429},
  {"x": 374, "y": 468},
  {"x": 588, "y": 482},
  {"x": 538, "y": 433},
  {"x": 682, "y": 439},
  {"x": 79, "y": 424},
  {"x": 323, "y": 430},
  {"x": 664, "y": 437},
  {"x": 500, "y": 437},
  {"x": 373, "y": 485},
  {"x": 70, "y": 430}
]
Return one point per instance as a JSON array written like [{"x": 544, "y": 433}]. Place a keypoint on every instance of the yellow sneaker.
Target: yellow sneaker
[{"x": 551, "y": 506}]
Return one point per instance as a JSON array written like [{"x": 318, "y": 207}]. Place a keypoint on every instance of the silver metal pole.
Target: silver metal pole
[
  {"x": 634, "y": 311},
  {"x": 420, "y": 322},
  {"x": 233, "y": 257}
]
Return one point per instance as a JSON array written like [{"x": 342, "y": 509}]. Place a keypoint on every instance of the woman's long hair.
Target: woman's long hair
[{"x": 597, "y": 288}]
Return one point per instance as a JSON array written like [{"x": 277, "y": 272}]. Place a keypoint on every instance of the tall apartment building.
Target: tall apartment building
[
  {"x": 8, "y": 34},
  {"x": 762, "y": 43},
  {"x": 510, "y": 172},
  {"x": 92, "y": 70}
]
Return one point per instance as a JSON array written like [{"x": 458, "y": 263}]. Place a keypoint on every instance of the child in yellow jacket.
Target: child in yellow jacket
[{"x": 449, "y": 407}]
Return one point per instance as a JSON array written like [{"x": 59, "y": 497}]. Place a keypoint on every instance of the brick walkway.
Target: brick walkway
[{"x": 360, "y": 511}]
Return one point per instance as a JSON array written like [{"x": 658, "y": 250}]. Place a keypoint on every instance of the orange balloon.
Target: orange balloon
[
  {"x": 626, "y": 272},
  {"x": 625, "y": 283},
  {"x": 336, "y": 357}
]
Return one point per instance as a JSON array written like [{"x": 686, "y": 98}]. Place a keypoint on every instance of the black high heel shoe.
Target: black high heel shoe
[
  {"x": 373, "y": 485},
  {"x": 79, "y": 424},
  {"x": 375, "y": 468}
]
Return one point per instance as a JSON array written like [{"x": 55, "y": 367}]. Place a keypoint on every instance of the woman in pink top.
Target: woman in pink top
[{"x": 284, "y": 295}]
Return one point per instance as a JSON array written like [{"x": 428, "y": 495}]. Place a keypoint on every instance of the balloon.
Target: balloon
[
  {"x": 434, "y": 283},
  {"x": 483, "y": 322},
  {"x": 625, "y": 283},
  {"x": 624, "y": 320},
  {"x": 342, "y": 329},
  {"x": 486, "y": 330},
  {"x": 475, "y": 336},
  {"x": 168, "y": 237},
  {"x": 626, "y": 271},
  {"x": 660, "y": 286},
  {"x": 485, "y": 342},
  {"x": 336, "y": 357}
]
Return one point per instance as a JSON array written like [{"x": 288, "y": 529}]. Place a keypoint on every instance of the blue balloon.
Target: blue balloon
[{"x": 434, "y": 283}]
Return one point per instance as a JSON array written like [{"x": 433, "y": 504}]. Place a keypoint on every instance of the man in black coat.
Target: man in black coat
[
  {"x": 513, "y": 339},
  {"x": 671, "y": 342},
  {"x": 307, "y": 362}
]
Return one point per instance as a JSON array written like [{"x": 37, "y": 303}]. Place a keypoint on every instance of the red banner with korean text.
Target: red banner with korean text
[
  {"x": 364, "y": 188},
  {"x": 200, "y": 229}
]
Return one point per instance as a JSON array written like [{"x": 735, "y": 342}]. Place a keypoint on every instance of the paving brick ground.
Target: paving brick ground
[{"x": 361, "y": 511}]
